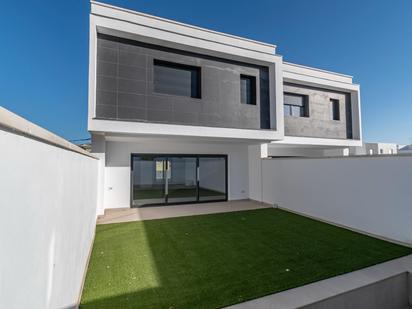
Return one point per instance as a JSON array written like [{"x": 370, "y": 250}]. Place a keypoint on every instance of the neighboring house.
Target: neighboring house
[
  {"x": 381, "y": 148},
  {"x": 366, "y": 149},
  {"x": 374, "y": 149},
  {"x": 181, "y": 114},
  {"x": 405, "y": 149}
]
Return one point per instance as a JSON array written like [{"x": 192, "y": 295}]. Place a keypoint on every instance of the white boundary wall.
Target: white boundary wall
[
  {"x": 370, "y": 194},
  {"x": 48, "y": 215}
]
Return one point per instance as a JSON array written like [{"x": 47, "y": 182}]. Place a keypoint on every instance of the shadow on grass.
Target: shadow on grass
[{"x": 212, "y": 261}]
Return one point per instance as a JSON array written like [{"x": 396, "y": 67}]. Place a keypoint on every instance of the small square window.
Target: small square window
[
  {"x": 248, "y": 89},
  {"x": 335, "y": 109}
]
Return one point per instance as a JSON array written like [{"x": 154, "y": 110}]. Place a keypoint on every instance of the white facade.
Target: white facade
[
  {"x": 375, "y": 149},
  {"x": 405, "y": 149},
  {"x": 381, "y": 148},
  {"x": 115, "y": 141}
]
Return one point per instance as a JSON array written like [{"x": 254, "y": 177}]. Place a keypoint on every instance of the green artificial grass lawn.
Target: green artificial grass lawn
[{"x": 212, "y": 261}]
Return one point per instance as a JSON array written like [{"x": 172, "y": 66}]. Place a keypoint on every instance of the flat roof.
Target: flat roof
[
  {"x": 176, "y": 30},
  {"x": 179, "y": 27},
  {"x": 316, "y": 69}
]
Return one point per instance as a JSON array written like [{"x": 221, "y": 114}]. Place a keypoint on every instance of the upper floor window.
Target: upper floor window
[
  {"x": 295, "y": 105},
  {"x": 248, "y": 89},
  {"x": 176, "y": 79},
  {"x": 335, "y": 112}
]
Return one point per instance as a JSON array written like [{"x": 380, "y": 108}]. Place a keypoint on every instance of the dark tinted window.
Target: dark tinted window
[
  {"x": 248, "y": 89},
  {"x": 176, "y": 79},
  {"x": 295, "y": 105},
  {"x": 335, "y": 109}
]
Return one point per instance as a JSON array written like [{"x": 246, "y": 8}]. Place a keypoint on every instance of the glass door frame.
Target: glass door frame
[{"x": 168, "y": 155}]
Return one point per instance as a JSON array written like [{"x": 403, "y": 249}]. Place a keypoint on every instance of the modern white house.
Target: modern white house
[
  {"x": 182, "y": 114},
  {"x": 179, "y": 114},
  {"x": 367, "y": 149},
  {"x": 405, "y": 149},
  {"x": 375, "y": 149}
]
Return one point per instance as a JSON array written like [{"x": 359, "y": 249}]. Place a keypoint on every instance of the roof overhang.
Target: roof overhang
[
  {"x": 134, "y": 25},
  {"x": 170, "y": 131},
  {"x": 294, "y": 141}
]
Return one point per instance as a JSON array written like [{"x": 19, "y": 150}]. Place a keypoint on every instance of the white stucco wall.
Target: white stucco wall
[
  {"x": 371, "y": 194},
  {"x": 380, "y": 148},
  {"x": 255, "y": 173},
  {"x": 48, "y": 203},
  {"x": 117, "y": 171}
]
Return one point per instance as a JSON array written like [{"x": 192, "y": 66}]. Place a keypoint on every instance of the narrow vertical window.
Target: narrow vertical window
[
  {"x": 248, "y": 89},
  {"x": 159, "y": 170},
  {"x": 335, "y": 109}
]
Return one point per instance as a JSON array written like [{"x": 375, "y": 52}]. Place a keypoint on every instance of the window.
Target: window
[
  {"x": 159, "y": 170},
  {"x": 163, "y": 167},
  {"x": 335, "y": 112},
  {"x": 248, "y": 89},
  {"x": 176, "y": 79},
  {"x": 295, "y": 105}
]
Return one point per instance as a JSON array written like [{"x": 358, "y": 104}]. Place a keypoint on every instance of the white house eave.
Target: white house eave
[
  {"x": 290, "y": 64},
  {"x": 110, "y": 127},
  {"x": 161, "y": 37},
  {"x": 313, "y": 141},
  {"x": 316, "y": 81},
  {"x": 300, "y": 72},
  {"x": 177, "y": 28}
]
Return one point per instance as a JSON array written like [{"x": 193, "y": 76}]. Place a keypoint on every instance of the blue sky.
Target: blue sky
[{"x": 44, "y": 52}]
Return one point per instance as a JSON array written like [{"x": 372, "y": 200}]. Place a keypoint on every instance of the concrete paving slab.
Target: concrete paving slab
[
  {"x": 160, "y": 212},
  {"x": 342, "y": 290}
]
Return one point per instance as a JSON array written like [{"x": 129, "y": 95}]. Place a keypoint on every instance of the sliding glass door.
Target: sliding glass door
[
  {"x": 212, "y": 178},
  {"x": 148, "y": 180},
  {"x": 172, "y": 179},
  {"x": 182, "y": 185}
]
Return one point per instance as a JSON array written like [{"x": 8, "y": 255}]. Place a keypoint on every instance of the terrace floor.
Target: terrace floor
[
  {"x": 161, "y": 212},
  {"x": 216, "y": 260}
]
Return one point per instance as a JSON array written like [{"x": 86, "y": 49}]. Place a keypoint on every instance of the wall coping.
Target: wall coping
[
  {"x": 375, "y": 156},
  {"x": 12, "y": 122},
  {"x": 111, "y": 11}
]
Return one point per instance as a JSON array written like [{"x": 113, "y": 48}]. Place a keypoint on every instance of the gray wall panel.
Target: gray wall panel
[
  {"x": 106, "y": 97},
  {"x": 131, "y": 100},
  {"x": 130, "y": 113},
  {"x": 106, "y": 111},
  {"x": 125, "y": 89},
  {"x": 131, "y": 86},
  {"x": 319, "y": 123}
]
